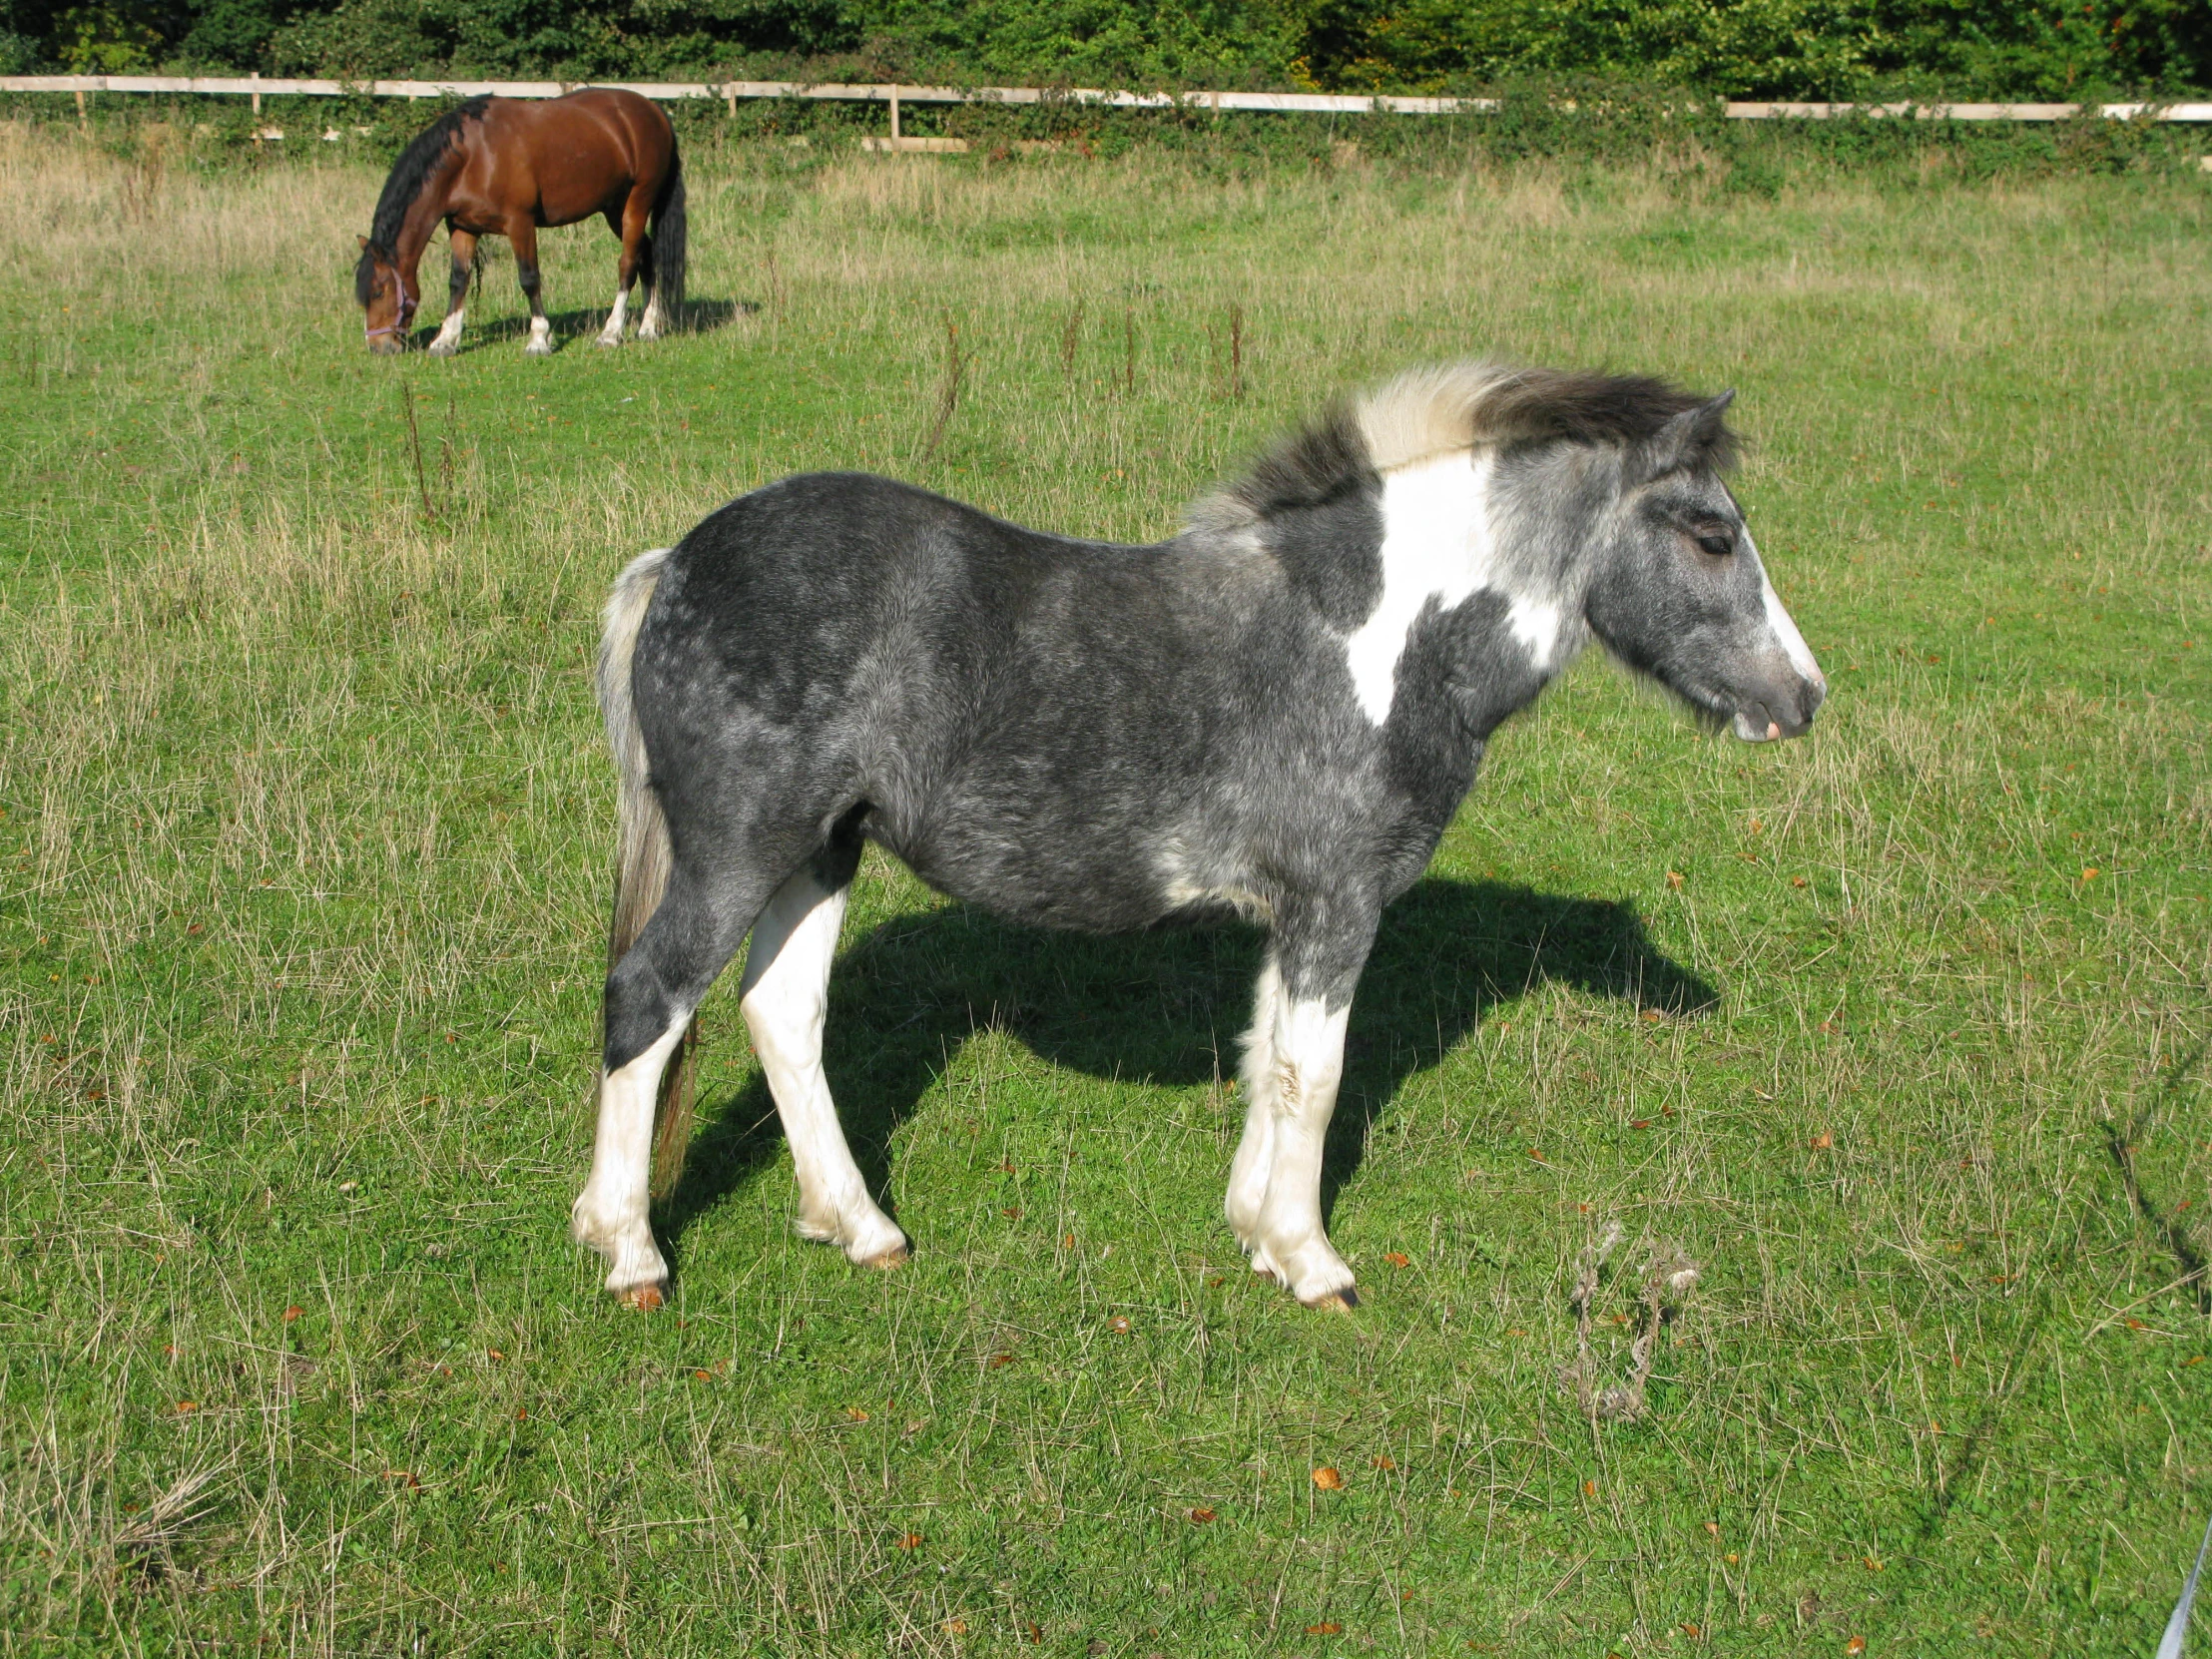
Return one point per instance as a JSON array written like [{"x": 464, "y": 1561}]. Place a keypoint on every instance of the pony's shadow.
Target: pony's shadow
[
  {"x": 700, "y": 317},
  {"x": 1166, "y": 1007}
]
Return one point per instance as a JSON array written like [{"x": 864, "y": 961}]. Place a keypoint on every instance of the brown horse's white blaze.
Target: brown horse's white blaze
[{"x": 506, "y": 167}]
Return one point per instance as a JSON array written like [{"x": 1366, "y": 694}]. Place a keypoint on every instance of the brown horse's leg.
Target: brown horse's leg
[
  {"x": 631, "y": 229},
  {"x": 463, "y": 247},
  {"x": 525, "y": 236}
]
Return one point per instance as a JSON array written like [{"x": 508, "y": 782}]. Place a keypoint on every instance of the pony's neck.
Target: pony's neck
[{"x": 1445, "y": 540}]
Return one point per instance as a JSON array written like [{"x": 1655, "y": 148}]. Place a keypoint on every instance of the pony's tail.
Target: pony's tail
[
  {"x": 668, "y": 242},
  {"x": 642, "y": 850}
]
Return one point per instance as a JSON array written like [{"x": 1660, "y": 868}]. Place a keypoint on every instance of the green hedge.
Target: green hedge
[{"x": 1729, "y": 48}]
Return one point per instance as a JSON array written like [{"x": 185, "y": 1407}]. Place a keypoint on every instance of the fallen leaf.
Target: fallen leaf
[
  {"x": 910, "y": 1540},
  {"x": 1012, "y": 1212},
  {"x": 1068, "y": 1241},
  {"x": 2089, "y": 872},
  {"x": 1327, "y": 1628},
  {"x": 1857, "y": 1646},
  {"x": 292, "y": 1313},
  {"x": 1399, "y": 1259},
  {"x": 998, "y": 1360},
  {"x": 701, "y": 1376},
  {"x": 495, "y": 1354},
  {"x": 1689, "y": 1630},
  {"x": 184, "y": 1406},
  {"x": 1713, "y": 1528},
  {"x": 1799, "y": 882},
  {"x": 956, "y": 1627},
  {"x": 408, "y": 1475},
  {"x": 1674, "y": 878},
  {"x": 1118, "y": 1324},
  {"x": 1383, "y": 1461},
  {"x": 1731, "y": 1558},
  {"x": 1589, "y": 1488},
  {"x": 855, "y": 1413},
  {"x": 1538, "y": 1156},
  {"x": 1823, "y": 1141},
  {"x": 1200, "y": 1516},
  {"x": 1328, "y": 1479}
]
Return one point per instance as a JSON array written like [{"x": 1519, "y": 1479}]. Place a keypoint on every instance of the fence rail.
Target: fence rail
[{"x": 1309, "y": 103}]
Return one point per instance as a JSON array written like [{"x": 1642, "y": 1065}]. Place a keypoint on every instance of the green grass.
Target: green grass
[{"x": 304, "y": 858}]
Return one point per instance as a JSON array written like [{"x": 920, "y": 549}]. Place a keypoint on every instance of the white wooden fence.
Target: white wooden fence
[{"x": 729, "y": 92}]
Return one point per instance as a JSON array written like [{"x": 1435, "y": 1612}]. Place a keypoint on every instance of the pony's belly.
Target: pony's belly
[{"x": 1039, "y": 879}]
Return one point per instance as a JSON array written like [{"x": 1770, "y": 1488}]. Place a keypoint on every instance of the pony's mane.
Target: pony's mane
[
  {"x": 1433, "y": 412},
  {"x": 407, "y": 177}
]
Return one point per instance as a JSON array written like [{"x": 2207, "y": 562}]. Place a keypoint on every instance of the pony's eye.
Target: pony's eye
[{"x": 1720, "y": 545}]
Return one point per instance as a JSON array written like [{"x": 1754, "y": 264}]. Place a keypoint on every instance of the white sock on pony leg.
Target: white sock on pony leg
[
  {"x": 610, "y": 1213},
  {"x": 541, "y": 339},
  {"x": 612, "y": 334},
  {"x": 785, "y": 998},
  {"x": 651, "y": 324},
  {"x": 1309, "y": 1055}
]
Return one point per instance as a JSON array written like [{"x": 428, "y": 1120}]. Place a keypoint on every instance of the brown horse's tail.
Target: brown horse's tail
[
  {"x": 642, "y": 850},
  {"x": 668, "y": 242}
]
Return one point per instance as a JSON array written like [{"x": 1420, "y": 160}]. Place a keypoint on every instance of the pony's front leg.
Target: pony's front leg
[
  {"x": 1294, "y": 1063},
  {"x": 785, "y": 999},
  {"x": 463, "y": 248}
]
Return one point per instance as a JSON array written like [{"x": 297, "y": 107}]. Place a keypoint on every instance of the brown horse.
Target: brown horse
[{"x": 502, "y": 167}]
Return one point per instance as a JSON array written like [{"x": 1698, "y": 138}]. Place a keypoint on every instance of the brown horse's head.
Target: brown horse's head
[{"x": 382, "y": 292}]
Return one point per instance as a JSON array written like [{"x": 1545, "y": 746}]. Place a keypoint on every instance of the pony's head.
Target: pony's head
[
  {"x": 388, "y": 307},
  {"x": 1677, "y": 590}
]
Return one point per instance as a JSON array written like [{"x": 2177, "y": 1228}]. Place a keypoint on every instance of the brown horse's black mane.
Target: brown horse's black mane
[{"x": 408, "y": 174}]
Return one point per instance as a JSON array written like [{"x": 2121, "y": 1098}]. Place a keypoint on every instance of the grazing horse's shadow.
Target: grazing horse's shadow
[
  {"x": 1167, "y": 1007},
  {"x": 701, "y": 316}
]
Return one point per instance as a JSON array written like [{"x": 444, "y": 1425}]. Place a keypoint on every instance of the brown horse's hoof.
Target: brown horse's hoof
[
  {"x": 1342, "y": 1302},
  {"x": 895, "y": 1257},
  {"x": 644, "y": 1298}
]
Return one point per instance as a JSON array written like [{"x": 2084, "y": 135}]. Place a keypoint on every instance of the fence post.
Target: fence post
[
  {"x": 256, "y": 95},
  {"x": 895, "y": 117}
]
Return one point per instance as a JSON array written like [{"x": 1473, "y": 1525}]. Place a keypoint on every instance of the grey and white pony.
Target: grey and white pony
[{"x": 1275, "y": 714}]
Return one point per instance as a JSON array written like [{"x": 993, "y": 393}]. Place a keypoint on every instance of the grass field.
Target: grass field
[{"x": 1900, "y": 1032}]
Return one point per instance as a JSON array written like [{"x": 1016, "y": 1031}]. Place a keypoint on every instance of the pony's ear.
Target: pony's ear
[
  {"x": 1692, "y": 437},
  {"x": 363, "y": 240}
]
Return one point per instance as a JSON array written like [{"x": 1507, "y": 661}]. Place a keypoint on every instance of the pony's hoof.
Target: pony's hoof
[
  {"x": 445, "y": 347},
  {"x": 538, "y": 348},
  {"x": 895, "y": 1257},
  {"x": 644, "y": 1298},
  {"x": 608, "y": 341},
  {"x": 1339, "y": 1302}
]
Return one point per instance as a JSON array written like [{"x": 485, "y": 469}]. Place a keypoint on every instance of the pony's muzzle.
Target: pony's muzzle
[{"x": 1781, "y": 707}]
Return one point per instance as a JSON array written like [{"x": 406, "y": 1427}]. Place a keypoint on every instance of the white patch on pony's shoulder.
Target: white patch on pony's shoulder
[{"x": 1436, "y": 545}]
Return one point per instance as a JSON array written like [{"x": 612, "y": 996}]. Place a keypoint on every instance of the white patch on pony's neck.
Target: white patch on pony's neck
[
  {"x": 1436, "y": 545},
  {"x": 1536, "y": 623}
]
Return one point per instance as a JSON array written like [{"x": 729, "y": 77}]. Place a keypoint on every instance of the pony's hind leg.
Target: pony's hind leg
[
  {"x": 463, "y": 248},
  {"x": 785, "y": 999},
  {"x": 651, "y": 996}
]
